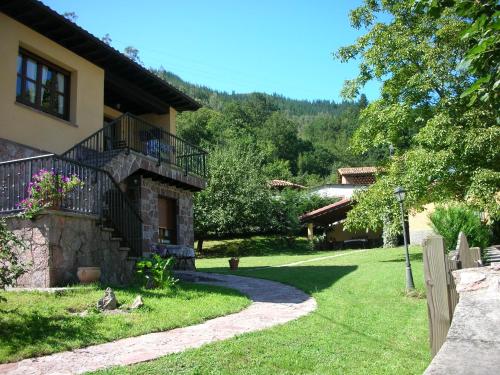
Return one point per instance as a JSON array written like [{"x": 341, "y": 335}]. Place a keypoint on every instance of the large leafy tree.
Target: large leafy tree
[
  {"x": 446, "y": 146},
  {"x": 237, "y": 199}
]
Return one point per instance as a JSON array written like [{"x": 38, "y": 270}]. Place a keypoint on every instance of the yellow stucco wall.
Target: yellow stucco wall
[
  {"x": 420, "y": 220},
  {"x": 34, "y": 128},
  {"x": 166, "y": 121}
]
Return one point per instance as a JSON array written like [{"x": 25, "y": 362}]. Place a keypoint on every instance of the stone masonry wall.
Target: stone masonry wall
[
  {"x": 58, "y": 243},
  {"x": 124, "y": 165},
  {"x": 150, "y": 191},
  {"x": 11, "y": 150}
]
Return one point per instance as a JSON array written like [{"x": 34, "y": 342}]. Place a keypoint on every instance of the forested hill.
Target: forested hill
[
  {"x": 216, "y": 99},
  {"x": 299, "y": 140}
]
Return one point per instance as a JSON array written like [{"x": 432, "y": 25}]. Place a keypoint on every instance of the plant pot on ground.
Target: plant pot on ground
[
  {"x": 87, "y": 275},
  {"x": 234, "y": 260}
]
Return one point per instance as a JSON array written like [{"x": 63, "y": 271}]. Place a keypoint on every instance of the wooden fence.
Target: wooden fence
[{"x": 442, "y": 296}]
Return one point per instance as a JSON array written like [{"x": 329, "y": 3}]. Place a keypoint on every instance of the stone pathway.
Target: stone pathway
[{"x": 273, "y": 303}]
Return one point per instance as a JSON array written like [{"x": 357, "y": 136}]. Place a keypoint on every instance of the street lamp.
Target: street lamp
[{"x": 400, "y": 196}]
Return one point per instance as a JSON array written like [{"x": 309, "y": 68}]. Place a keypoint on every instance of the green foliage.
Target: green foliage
[
  {"x": 446, "y": 148},
  {"x": 237, "y": 199},
  {"x": 11, "y": 266},
  {"x": 156, "y": 272},
  {"x": 450, "y": 220},
  {"x": 481, "y": 35},
  {"x": 289, "y": 205}
]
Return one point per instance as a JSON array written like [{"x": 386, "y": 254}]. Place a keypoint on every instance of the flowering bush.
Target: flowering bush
[{"x": 47, "y": 189}]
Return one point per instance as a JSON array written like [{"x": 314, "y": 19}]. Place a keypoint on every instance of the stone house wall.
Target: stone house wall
[
  {"x": 150, "y": 192},
  {"x": 11, "y": 151},
  {"x": 57, "y": 243}
]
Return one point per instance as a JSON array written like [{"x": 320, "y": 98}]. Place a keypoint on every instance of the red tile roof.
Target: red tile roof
[
  {"x": 326, "y": 209},
  {"x": 356, "y": 171},
  {"x": 283, "y": 183}
]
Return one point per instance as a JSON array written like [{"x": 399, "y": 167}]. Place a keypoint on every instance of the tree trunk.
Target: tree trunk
[{"x": 199, "y": 247}]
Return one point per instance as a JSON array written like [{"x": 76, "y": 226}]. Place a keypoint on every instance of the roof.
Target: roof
[
  {"x": 341, "y": 204},
  {"x": 284, "y": 183},
  {"x": 356, "y": 171},
  {"x": 144, "y": 85}
]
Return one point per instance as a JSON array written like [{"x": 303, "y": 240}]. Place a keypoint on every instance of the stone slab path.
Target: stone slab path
[{"x": 273, "y": 303}]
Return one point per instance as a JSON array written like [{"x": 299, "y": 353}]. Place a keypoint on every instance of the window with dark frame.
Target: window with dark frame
[{"x": 42, "y": 85}]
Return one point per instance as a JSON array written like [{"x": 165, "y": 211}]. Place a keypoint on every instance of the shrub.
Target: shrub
[
  {"x": 47, "y": 188},
  {"x": 10, "y": 265},
  {"x": 450, "y": 220},
  {"x": 156, "y": 272}
]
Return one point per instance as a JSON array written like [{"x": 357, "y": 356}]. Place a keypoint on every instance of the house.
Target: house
[
  {"x": 330, "y": 218},
  {"x": 71, "y": 103},
  {"x": 336, "y": 190}
]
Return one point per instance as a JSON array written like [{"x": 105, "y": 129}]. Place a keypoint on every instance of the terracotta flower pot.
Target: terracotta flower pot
[
  {"x": 233, "y": 263},
  {"x": 88, "y": 275}
]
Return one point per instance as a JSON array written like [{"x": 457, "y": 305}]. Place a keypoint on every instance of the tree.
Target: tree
[
  {"x": 133, "y": 54},
  {"x": 72, "y": 16},
  {"x": 445, "y": 148},
  {"x": 237, "y": 199},
  {"x": 107, "y": 39},
  {"x": 481, "y": 35}
]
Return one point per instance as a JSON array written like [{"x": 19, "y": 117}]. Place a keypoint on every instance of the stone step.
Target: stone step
[
  {"x": 116, "y": 239},
  {"x": 107, "y": 229},
  {"x": 124, "y": 248}
]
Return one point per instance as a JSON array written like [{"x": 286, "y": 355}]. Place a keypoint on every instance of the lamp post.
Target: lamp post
[{"x": 400, "y": 196}]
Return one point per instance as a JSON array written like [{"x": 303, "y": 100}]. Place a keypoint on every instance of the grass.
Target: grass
[
  {"x": 37, "y": 323},
  {"x": 364, "y": 323}
]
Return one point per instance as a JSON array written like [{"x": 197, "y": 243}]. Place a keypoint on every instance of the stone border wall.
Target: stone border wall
[
  {"x": 58, "y": 243},
  {"x": 473, "y": 342},
  {"x": 150, "y": 191}
]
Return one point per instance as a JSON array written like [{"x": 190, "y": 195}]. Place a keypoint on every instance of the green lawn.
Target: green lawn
[
  {"x": 35, "y": 323},
  {"x": 364, "y": 323}
]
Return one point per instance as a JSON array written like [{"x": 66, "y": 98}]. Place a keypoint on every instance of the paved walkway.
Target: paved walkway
[{"x": 273, "y": 303}]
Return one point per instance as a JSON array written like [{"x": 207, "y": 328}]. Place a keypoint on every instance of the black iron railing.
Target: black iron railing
[
  {"x": 129, "y": 132},
  {"x": 99, "y": 195}
]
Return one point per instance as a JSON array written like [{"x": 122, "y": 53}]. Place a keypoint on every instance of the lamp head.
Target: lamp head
[{"x": 400, "y": 193}]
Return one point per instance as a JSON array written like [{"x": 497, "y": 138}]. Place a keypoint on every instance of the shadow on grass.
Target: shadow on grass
[
  {"x": 19, "y": 329},
  {"x": 310, "y": 279},
  {"x": 409, "y": 354}
]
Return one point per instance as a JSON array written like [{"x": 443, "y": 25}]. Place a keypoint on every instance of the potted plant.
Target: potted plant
[
  {"x": 87, "y": 275},
  {"x": 234, "y": 259},
  {"x": 47, "y": 189}
]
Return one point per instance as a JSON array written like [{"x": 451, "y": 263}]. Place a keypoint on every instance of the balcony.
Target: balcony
[{"x": 158, "y": 149}]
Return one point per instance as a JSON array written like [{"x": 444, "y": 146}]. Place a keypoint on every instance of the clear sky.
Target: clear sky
[{"x": 272, "y": 46}]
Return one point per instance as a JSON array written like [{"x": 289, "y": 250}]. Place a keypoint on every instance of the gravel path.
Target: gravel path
[{"x": 273, "y": 303}]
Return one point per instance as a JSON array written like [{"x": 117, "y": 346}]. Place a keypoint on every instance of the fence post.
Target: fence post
[
  {"x": 438, "y": 302},
  {"x": 476, "y": 256},
  {"x": 464, "y": 253}
]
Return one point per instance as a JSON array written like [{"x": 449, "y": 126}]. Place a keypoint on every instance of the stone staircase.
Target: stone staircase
[
  {"x": 492, "y": 254},
  {"x": 114, "y": 260}
]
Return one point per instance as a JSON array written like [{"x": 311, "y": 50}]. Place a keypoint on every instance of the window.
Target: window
[{"x": 42, "y": 85}]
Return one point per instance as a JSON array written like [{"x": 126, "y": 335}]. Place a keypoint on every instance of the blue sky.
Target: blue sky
[{"x": 272, "y": 46}]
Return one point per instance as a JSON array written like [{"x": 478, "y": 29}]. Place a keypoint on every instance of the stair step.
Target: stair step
[
  {"x": 107, "y": 229},
  {"x": 124, "y": 248},
  {"x": 116, "y": 239}
]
